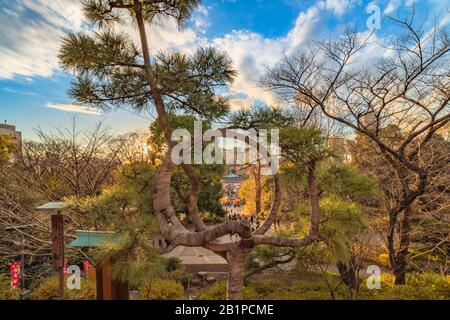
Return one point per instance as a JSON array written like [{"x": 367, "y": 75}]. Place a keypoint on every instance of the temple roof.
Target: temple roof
[
  {"x": 231, "y": 175},
  {"x": 95, "y": 238}
]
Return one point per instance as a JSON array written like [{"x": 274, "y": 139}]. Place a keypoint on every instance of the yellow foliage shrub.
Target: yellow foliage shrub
[
  {"x": 6, "y": 293},
  {"x": 218, "y": 291},
  {"x": 48, "y": 289},
  {"x": 383, "y": 259},
  {"x": 419, "y": 286},
  {"x": 162, "y": 289}
]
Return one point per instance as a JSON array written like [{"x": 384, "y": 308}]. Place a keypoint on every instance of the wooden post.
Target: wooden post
[
  {"x": 107, "y": 288},
  {"x": 99, "y": 282},
  {"x": 120, "y": 290},
  {"x": 58, "y": 249},
  {"x": 91, "y": 273},
  {"x": 107, "y": 283}
]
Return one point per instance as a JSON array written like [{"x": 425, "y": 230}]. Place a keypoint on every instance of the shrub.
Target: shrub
[
  {"x": 173, "y": 263},
  {"x": 419, "y": 286},
  {"x": 162, "y": 289},
  {"x": 265, "y": 287},
  {"x": 284, "y": 295},
  {"x": 48, "y": 289},
  {"x": 311, "y": 286},
  {"x": 6, "y": 293},
  {"x": 311, "y": 290},
  {"x": 383, "y": 259},
  {"x": 218, "y": 291}
]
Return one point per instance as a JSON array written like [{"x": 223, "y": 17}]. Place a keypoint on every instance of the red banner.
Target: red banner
[
  {"x": 14, "y": 269},
  {"x": 66, "y": 266},
  {"x": 86, "y": 265}
]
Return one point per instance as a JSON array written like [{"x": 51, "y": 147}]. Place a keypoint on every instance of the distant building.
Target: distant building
[
  {"x": 236, "y": 159},
  {"x": 232, "y": 183},
  {"x": 370, "y": 121},
  {"x": 10, "y": 130},
  {"x": 339, "y": 148},
  {"x": 232, "y": 178}
]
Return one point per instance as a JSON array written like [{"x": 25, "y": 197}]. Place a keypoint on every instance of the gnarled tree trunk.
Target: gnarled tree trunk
[
  {"x": 348, "y": 273},
  {"x": 171, "y": 227},
  {"x": 313, "y": 194},
  {"x": 400, "y": 265},
  {"x": 236, "y": 262}
]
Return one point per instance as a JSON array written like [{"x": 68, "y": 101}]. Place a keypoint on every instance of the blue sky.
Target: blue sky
[{"x": 256, "y": 33}]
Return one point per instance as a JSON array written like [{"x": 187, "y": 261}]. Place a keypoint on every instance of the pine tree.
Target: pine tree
[{"x": 112, "y": 71}]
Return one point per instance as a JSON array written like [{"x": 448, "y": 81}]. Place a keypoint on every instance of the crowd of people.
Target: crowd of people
[
  {"x": 233, "y": 205},
  {"x": 254, "y": 221}
]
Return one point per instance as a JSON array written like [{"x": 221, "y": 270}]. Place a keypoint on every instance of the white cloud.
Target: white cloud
[
  {"x": 65, "y": 14},
  {"x": 168, "y": 35},
  {"x": 21, "y": 92},
  {"x": 392, "y": 6},
  {"x": 252, "y": 54},
  {"x": 32, "y": 31},
  {"x": 72, "y": 108},
  {"x": 27, "y": 50},
  {"x": 31, "y": 34},
  {"x": 200, "y": 19},
  {"x": 306, "y": 24},
  {"x": 30, "y": 49},
  {"x": 338, "y": 6}
]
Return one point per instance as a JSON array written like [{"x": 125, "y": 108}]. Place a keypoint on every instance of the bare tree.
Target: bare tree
[
  {"x": 78, "y": 162},
  {"x": 408, "y": 90},
  {"x": 58, "y": 165},
  {"x": 429, "y": 213},
  {"x": 133, "y": 147}
]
